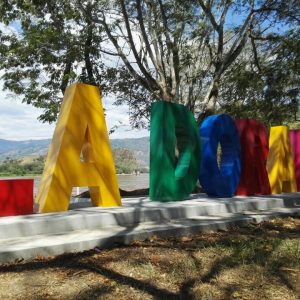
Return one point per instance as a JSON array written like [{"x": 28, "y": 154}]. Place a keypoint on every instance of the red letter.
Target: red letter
[{"x": 255, "y": 149}]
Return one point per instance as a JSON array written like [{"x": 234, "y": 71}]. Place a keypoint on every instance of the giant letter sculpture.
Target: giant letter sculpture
[
  {"x": 280, "y": 164},
  {"x": 80, "y": 127},
  {"x": 295, "y": 143},
  {"x": 223, "y": 181},
  {"x": 173, "y": 177},
  {"x": 255, "y": 149}
]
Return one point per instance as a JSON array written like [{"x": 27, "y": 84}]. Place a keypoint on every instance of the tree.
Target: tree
[
  {"x": 264, "y": 82},
  {"x": 19, "y": 167},
  {"x": 54, "y": 47},
  {"x": 125, "y": 161},
  {"x": 181, "y": 48},
  {"x": 141, "y": 50}
]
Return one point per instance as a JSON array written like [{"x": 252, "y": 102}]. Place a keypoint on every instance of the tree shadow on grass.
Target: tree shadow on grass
[
  {"x": 91, "y": 293},
  {"x": 72, "y": 261},
  {"x": 144, "y": 286},
  {"x": 250, "y": 247},
  {"x": 253, "y": 251}
]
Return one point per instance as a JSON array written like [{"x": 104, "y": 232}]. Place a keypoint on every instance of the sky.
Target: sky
[{"x": 19, "y": 121}]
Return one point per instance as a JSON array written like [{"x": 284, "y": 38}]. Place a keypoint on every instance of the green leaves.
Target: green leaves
[
  {"x": 45, "y": 54},
  {"x": 180, "y": 48}
]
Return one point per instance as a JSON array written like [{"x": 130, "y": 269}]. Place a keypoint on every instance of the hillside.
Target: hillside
[
  {"x": 19, "y": 149},
  {"x": 35, "y": 148}
]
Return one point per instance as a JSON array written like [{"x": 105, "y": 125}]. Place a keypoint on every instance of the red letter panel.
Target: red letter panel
[
  {"x": 16, "y": 197},
  {"x": 255, "y": 149}
]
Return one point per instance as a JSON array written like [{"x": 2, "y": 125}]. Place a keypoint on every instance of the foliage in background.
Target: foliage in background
[
  {"x": 240, "y": 57},
  {"x": 53, "y": 45},
  {"x": 267, "y": 89},
  {"x": 294, "y": 125},
  {"x": 17, "y": 167},
  {"x": 125, "y": 163}
]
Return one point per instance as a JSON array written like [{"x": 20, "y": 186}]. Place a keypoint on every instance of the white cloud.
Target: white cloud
[
  {"x": 18, "y": 121},
  {"x": 8, "y": 29},
  {"x": 119, "y": 115}
]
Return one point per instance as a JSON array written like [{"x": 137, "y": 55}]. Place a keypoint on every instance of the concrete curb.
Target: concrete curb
[
  {"x": 85, "y": 228},
  {"x": 134, "y": 210}
]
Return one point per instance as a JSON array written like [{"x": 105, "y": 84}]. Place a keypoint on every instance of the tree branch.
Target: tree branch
[
  {"x": 238, "y": 44},
  {"x": 145, "y": 83},
  {"x": 173, "y": 51},
  {"x": 156, "y": 62},
  {"x": 132, "y": 45},
  {"x": 256, "y": 59},
  {"x": 87, "y": 48},
  {"x": 209, "y": 14}
]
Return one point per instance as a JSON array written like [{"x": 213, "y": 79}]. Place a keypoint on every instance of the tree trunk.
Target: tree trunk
[
  {"x": 65, "y": 77},
  {"x": 87, "y": 48},
  {"x": 211, "y": 97}
]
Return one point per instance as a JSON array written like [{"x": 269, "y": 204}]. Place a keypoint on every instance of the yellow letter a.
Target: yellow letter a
[
  {"x": 80, "y": 127},
  {"x": 280, "y": 163}
]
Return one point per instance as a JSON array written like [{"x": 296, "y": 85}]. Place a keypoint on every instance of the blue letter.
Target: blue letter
[{"x": 220, "y": 181}]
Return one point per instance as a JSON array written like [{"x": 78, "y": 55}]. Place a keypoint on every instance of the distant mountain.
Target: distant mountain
[
  {"x": 18, "y": 149},
  {"x": 21, "y": 149}
]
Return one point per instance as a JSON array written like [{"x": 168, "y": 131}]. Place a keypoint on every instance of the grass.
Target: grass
[{"x": 259, "y": 261}]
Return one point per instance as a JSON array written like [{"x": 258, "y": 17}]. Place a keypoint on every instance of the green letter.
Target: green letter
[{"x": 174, "y": 152}]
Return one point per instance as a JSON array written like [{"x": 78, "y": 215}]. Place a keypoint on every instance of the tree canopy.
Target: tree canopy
[{"x": 240, "y": 56}]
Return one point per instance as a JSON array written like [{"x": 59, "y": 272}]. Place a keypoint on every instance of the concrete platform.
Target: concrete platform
[{"x": 84, "y": 227}]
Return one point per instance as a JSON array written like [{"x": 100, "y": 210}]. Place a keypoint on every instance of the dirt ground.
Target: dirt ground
[{"x": 259, "y": 261}]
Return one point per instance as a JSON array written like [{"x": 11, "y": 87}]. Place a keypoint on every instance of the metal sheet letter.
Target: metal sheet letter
[
  {"x": 280, "y": 163},
  {"x": 220, "y": 181},
  {"x": 255, "y": 149},
  {"x": 80, "y": 128},
  {"x": 173, "y": 176}
]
